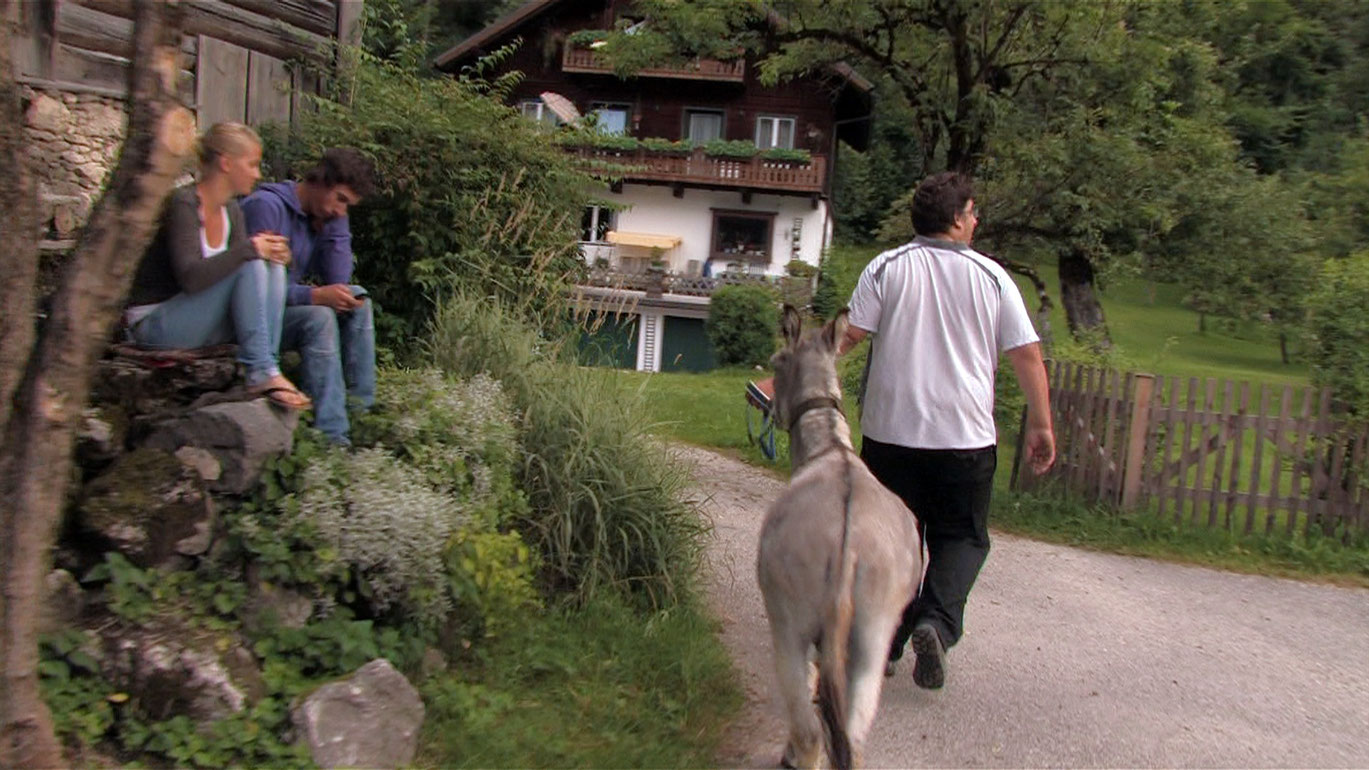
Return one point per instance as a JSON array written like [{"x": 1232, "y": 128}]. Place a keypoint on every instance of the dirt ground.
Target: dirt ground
[{"x": 1078, "y": 659}]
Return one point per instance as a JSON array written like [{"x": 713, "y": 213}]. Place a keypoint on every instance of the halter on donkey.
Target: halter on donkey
[{"x": 838, "y": 558}]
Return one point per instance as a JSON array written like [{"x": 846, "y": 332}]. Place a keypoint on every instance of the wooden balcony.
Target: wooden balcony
[
  {"x": 697, "y": 169},
  {"x": 584, "y": 60}
]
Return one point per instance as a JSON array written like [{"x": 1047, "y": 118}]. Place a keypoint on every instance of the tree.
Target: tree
[
  {"x": 1055, "y": 107},
  {"x": 45, "y": 379}
]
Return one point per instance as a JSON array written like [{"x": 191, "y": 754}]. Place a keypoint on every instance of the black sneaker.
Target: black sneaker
[{"x": 929, "y": 671}]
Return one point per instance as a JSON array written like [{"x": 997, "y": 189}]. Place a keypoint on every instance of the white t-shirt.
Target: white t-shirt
[{"x": 941, "y": 313}]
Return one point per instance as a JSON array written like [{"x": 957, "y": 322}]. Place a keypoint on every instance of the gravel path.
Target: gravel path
[{"x": 1079, "y": 659}]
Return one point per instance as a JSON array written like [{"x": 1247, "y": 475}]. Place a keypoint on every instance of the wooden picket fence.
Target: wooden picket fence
[{"x": 1213, "y": 453}]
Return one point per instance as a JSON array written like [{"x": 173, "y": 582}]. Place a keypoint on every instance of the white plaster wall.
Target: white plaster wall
[{"x": 654, "y": 209}]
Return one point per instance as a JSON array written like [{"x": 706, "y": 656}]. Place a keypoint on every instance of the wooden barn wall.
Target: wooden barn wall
[{"x": 239, "y": 56}]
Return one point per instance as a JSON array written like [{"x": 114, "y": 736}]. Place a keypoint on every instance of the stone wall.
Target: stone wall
[{"x": 74, "y": 141}]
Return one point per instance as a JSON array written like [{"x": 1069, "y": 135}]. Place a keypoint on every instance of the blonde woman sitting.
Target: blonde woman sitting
[{"x": 204, "y": 281}]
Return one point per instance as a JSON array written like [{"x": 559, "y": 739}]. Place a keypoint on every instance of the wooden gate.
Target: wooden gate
[{"x": 1209, "y": 452}]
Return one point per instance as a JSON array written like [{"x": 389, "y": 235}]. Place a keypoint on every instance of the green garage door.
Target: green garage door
[
  {"x": 685, "y": 346},
  {"x": 611, "y": 341}
]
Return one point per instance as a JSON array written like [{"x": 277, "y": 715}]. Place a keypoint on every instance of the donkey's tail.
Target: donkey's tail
[{"x": 836, "y": 635}]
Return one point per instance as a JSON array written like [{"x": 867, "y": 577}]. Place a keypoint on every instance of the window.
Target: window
[
  {"x": 703, "y": 126},
  {"x": 740, "y": 236},
  {"x": 535, "y": 109},
  {"x": 596, "y": 222},
  {"x": 774, "y": 132},
  {"x": 611, "y": 118}
]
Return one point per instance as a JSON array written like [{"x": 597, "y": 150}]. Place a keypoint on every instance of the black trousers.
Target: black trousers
[{"x": 948, "y": 490}]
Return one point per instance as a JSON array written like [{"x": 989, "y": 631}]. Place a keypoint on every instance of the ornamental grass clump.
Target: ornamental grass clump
[{"x": 605, "y": 497}]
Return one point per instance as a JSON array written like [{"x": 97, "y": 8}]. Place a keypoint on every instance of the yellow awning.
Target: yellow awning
[{"x": 645, "y": 240}]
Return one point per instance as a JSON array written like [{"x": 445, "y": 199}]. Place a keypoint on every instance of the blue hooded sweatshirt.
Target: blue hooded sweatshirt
[{"x": 323, "y": 256}]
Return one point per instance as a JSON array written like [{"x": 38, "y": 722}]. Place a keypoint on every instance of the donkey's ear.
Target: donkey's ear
[
  {"x": 791, "y": 325},
  {"x": 836, "y": 329}
]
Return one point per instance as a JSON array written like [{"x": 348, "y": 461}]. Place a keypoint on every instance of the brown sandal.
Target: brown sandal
[{"x": 286, "y": 396}]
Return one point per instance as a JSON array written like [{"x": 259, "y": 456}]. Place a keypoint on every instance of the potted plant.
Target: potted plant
[
  {"x": 736, "y": 150},
  {"x": 787, "y": 157}
]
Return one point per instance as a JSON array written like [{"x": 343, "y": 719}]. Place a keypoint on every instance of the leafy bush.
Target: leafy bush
[
  {"x": 800, "y": 269},
  {"x": 604, "y": 496},
  {"x": 657, "y": 144},
  {"x": 470, "y": 195},
  {"x": 1338, "y": 327},
  {"x": 742, "y": 323}
]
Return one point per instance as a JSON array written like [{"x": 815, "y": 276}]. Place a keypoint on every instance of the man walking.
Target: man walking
[
  {"x": 940, "y": 314},
  {"x": 327, "y": 318}
]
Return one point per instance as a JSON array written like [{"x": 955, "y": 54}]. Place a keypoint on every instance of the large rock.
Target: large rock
[
  {"x": 63, "y": 602},
  {"x": 172, "y": 670},
  {"x": 370, "y": 719},
  {"x": 151, "y": 507},
  {"x": 242, "y": 435}
]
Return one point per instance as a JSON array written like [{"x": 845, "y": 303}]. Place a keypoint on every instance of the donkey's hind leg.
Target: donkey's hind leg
[
  {"x": 868, "y": 649},
  {"x": 804, "y": 748}
]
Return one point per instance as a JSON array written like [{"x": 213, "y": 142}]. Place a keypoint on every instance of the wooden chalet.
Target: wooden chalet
[{"x": 698, "y": 211}]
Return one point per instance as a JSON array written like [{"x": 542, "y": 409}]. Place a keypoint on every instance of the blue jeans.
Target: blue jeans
[
  {"x": 337, "y": 361},
  {"x": 246, "y": 307}
]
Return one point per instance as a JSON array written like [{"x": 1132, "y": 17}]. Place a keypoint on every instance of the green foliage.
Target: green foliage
[
  {"x": 787, "y": 155},
  {"x": 1338, "y": 324},
  {"x": 724, "y": 148},
  {"x": 601, "y": 686},
  {"x": 471, "y": 194},
  {"x": 656, "y": 144},
  {"x": 494, "y": 573},
  {"x": 742, "y": 323},
  {"x": 800, "y": 269},
  {"x": 82, "y": 703},
  {"x": 139, "y": 595},
  {"x": 605, "y": 510}
]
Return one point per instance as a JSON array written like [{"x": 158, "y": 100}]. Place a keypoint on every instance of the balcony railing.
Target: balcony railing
[
  {"x": 584, "y": 60},
  {"x": 696, "y": 168}
]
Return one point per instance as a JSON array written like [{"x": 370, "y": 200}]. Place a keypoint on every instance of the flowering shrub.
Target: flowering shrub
[{"x": 386, "y": 523}]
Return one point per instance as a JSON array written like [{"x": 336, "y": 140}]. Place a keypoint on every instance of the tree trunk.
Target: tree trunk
[
  {"x": 18, "y": 231},
  {"x": 35, "y": 461},
  {"x": 1078, "y": 294}
]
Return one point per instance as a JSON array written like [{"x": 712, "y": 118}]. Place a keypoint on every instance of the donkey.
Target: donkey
[{"x": 838, "y": 558}]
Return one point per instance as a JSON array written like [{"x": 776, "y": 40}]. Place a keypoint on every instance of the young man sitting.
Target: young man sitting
[{"x": 327, "y": 319}]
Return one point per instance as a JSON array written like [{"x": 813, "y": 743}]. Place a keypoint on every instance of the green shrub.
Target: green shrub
[
  {"x": 604, "y": 496},
  {"x": 742, "y": 323},
  {"x": 800, "y": 269},
  {"x": 657, "y": 144},
  {"x": 471, "y": 194},
  {"x": 1338, "y": 330},
  {"x": 492, "y": 573}
]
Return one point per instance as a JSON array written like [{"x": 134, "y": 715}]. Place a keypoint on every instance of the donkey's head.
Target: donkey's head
[{"x": 806, "y": 367}]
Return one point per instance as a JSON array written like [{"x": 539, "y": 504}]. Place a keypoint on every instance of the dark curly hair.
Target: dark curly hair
[
  {"x": 344, "y": 165},
  {"x": 938, "y": 200}
]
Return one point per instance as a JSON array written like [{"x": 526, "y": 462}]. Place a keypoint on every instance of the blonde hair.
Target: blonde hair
[{"x": 229, "y": 139}]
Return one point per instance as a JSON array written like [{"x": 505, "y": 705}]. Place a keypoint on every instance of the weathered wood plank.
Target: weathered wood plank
[
  {"x": 33, "y": 48},
  {"x": 1299, "y": 457},
  {"x": 1257, "y": 463},
  {"x": 83, "y": 27},
  {"x": 1224, "y": 420},
  {"x": 268, "y": 90},
  {"x": 1137, "y": 437},
  {"x": 1238, "y": 447},
  {"x": 1189, "y": 419},
  {"x": 317, "y": 16},
  {"x": 1277, "y": 432},
  {"x": 231, "y": 24},
  {"x": 221, "y": 82},
  {"x": 349, "y": 21}
]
